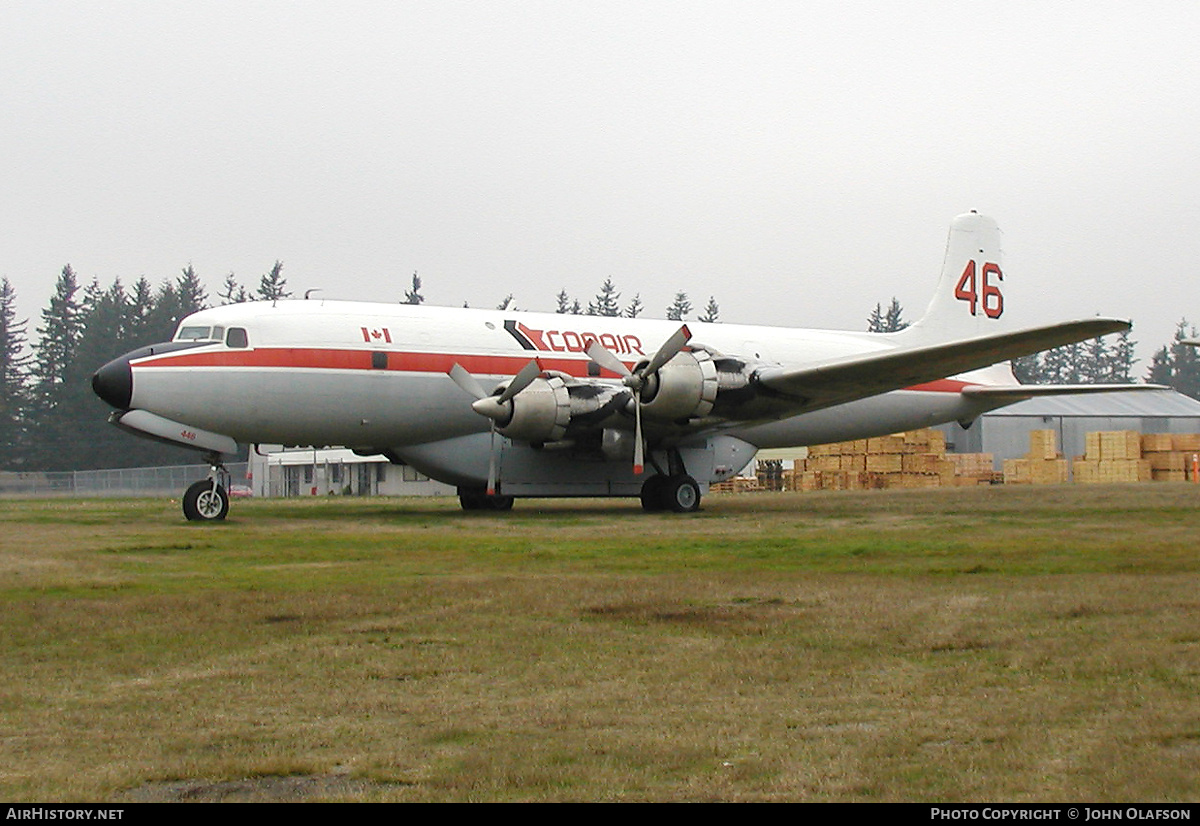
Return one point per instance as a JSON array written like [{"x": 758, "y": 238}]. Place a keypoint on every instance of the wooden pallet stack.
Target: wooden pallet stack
[
  {"x": 974, "y": 468},
  {"x": 1041, "y": 465},
  {"x": 1112, "y": 456},
  {"x": 915, "y": 459},
  {"x": 738, "y": 484}
]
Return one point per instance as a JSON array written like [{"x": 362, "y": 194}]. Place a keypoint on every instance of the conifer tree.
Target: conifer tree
[
  {"x": 606, "y": 300},
  {"x": 14, "y": 366},
  {"x": 680, "y": 307},
  {"x": 1121, "y": 359},
  {"x": 192, "y": 295},
  {"x": 232, "y": 292},
  {"x": 414, "y": 296},
  {"x": 564, "y": 302},
  {"x": 273, "y": 286},
  {"x": 1178, "y": 364},
  {"x": 887, "y": 321},
  {"x": 58, "y": 337},
  {"x": 711, "y": 312}
]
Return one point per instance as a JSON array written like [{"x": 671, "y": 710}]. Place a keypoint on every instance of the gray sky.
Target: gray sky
[{"x": 799, "y": 161}]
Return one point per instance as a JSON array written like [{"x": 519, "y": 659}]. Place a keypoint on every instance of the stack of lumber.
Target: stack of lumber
[
  {"x": 1042, "y": 465},
  {"x": 1169, "y": 456},
  {"x": 1112, "y": 456},
  {"x": 915, "y": 459},
  {"x": 973, "y": 468},
  {"x": 738, "y": 484},
  {"x": 1130, "y": 456},
  {"x": 839, "y": 466}
]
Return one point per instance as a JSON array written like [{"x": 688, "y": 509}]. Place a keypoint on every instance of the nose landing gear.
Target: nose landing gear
[{"x": 208, "y": 499}]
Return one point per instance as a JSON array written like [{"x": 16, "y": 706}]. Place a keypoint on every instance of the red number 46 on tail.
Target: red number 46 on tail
[{"x": 978, "y": 291}]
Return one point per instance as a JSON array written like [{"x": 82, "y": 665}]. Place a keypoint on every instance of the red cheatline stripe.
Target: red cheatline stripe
[{"x": 322, "y": 359}]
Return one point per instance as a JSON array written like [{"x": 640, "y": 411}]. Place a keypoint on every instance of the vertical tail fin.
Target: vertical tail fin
[{"x": 970, "y": 293}]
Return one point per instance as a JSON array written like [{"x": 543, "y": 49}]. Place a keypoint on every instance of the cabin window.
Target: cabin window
[
  {"x": 379, "y": 360},
  {"x": 236, "y": 337}
]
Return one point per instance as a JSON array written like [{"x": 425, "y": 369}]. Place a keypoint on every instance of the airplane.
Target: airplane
[{"x": 506, "y": 405}]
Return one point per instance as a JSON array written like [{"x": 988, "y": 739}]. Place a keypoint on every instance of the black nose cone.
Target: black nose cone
[{"x": 114, "y": 383}]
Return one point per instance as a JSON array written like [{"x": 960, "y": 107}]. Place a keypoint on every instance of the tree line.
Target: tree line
[{"x": 50, "y": 419}]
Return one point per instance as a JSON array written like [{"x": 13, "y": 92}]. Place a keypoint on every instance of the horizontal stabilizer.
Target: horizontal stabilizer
[
  {"x": 152, "y": 426},
  {"x": 1017, "y": 392},
  {"x": 857, "y": 377}
]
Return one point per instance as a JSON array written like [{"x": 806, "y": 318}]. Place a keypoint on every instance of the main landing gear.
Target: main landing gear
[
  {"x": 478, "y": 500},
  {"x": 208, "y": 499},
  {"x": 678, "y": 493}
]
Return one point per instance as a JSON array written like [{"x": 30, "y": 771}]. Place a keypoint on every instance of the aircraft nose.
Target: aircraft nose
[{"x": 114, "y": 383}]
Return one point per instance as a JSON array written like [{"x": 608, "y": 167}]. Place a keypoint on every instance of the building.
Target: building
[
  {"x": 275, "y": 471},
  {"x": 1004, "y": 433}
]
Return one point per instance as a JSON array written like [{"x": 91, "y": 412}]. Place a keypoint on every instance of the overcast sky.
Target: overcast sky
[{"x": 798, "y": 161}]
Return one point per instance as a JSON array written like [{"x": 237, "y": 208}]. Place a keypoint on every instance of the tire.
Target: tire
[
  {"x": 471, "y": 500},
  {"x": 653, "y": 500},
  {"x": 474, "y": 500},
  {"x": 681, "y": 494},
  {"x": 205, "y": 503}
]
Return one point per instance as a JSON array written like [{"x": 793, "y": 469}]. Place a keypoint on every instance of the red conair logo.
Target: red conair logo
[{"x": 571, "y": 341}]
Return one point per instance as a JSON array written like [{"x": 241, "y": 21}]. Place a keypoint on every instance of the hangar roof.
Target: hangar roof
[{"x": 1124, "y": 404}]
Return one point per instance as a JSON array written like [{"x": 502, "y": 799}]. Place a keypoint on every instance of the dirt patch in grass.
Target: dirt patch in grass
[{"x": 291, "y": 789}]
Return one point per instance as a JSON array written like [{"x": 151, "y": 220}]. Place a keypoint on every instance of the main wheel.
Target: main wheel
[
  {"x": 681, "y": 494},
  {"x": 205, "y": 502},
  {"x": 477, "y": 500},
  {"x": 652, "y": 494}
]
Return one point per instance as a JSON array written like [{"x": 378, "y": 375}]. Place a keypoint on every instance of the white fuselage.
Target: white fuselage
[{"x": 314, "y": 372}]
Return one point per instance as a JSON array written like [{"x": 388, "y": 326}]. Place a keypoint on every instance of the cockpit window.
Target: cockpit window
[
  {"x": 236, "y": 337},
  {"x": 194, "y": 334}
]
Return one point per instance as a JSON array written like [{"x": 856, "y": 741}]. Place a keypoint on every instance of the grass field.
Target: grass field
[{"x": 986, "y": 644}]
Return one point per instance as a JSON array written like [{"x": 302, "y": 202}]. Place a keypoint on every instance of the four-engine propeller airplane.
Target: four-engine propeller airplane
[{"x": 581, "y": 405}]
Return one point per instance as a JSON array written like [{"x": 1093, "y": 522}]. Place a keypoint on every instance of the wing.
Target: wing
[{"x": 858, "y": 377}]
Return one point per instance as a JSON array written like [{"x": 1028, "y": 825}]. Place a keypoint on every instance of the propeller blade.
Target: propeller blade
[
  {"x": 520, "y": 381},
  {"x": 600, "y": 354},
  {"x": 491, "y": 483},
  {"x": 668, "y": 351},
  {"x": 639, "y": 447},
  {"x": 468, "y": 383}
]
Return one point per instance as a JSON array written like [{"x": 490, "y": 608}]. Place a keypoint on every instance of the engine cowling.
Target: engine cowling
[
  {"x": 549, "y": 407},
  {"x": 539, "y": 413},
  {"x": 683, "y": 388}
]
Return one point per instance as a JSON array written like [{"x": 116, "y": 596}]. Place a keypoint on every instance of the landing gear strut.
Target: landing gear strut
[{"x": 208, "y": 499}]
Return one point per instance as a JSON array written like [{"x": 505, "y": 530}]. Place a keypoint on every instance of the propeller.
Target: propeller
[
  {"x": 636, "y": 380},
  {"x": 496, "y": 407}
]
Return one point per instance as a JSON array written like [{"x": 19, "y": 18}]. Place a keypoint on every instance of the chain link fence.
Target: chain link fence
[{"x": 141, "y": 481}]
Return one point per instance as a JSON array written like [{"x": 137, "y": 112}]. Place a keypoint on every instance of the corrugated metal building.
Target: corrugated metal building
[{"x": 1005, "y": 432}]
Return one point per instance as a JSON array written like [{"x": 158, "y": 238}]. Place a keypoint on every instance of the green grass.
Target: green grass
[{"x": 1022, "y": 644}]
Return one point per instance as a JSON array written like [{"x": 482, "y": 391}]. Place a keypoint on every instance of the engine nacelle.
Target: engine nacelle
[
  {"x": 683, "y": 388},
  {"x": 544, "y": 411},
  {"x": 539, "y": 413}
]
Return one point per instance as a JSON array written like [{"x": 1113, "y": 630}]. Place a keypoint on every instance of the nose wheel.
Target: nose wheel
[{"x": 208, "y": 499}]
